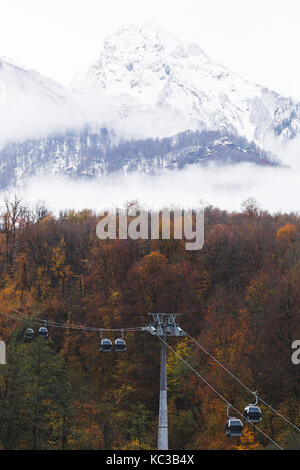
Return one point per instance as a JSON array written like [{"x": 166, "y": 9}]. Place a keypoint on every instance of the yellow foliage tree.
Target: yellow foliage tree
[
  {"x": 247, "y": 441},
  {"x": 59, "y": 267},
  {"x": 287, "y": 233}
]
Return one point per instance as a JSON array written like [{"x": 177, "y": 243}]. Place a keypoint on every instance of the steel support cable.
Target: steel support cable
[
  {"x": 241, "y": 383},
  {"x": 135, "y": 329},
  {"x": 49, "y": 323},
  {"x": 52, "y": 322},
  {"x": 219, "y": 394},
  {"x": 75, "y": 326},
  {"x": 66, "y": 325}
]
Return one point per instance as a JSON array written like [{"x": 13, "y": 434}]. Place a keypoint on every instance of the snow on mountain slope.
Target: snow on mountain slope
[
  {"x": 14, "y": 76},
  {"x": 86, "y": 155},
  {"x": 145, "y": 84},
  {"x": 30, "y": 105},
  {"x": 154, "y": 76}
]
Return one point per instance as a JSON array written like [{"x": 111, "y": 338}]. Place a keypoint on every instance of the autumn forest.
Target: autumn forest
[{"x": 239, "y": 297}]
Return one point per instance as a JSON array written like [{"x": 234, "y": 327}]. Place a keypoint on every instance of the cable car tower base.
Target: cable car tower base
[{"x": 164, "y": 324}]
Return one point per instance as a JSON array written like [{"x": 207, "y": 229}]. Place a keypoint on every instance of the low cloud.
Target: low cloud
[
  {"x": 27, "y": 113},
  {"x": 276, "y": 189}
]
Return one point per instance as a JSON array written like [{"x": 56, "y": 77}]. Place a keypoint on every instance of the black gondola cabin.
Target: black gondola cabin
[
  {"x": 106, "y": 345},
  {"x": 120, "y": 345},
  {"x": 28, "y": 335},
  {"x": 43, "y": 332},
  {"x": 234, "y": 427},
  {"x": 252, "y": 413}
]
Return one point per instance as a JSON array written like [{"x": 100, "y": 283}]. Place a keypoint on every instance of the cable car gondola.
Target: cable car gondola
[
  {"x": 252, "y": 412},
  {"x": 43, "y": 332},
  {"x": 234, "y": 426},
  {"x": 105, "y": 345},
  {"x": 120, "y": 345},
  {"x": 28, "y": 335}
]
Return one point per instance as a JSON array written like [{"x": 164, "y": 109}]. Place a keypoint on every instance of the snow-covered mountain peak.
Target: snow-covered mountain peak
[
  {"x": 153, "y": 75},
  {"x": 145, "y": 83},
  {"x": 148, "y": 41},
  {"x": 138, "y": 61}
]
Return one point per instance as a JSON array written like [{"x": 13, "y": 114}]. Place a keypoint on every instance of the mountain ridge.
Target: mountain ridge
[
  {"x": 159, "y": 86},
  {"x": 155, "y": 70},
  {"x": 146, "y": 86},
  {"x": 28, "y": 76}
]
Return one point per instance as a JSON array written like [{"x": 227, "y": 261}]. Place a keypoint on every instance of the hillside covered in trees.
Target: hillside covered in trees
[
  {"x": 86, "y": 154},
  {"x": 239, "y": 296}
]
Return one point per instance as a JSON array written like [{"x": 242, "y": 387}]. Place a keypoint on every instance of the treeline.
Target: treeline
[
  {"x": 90, "y": 153},
  {"x": 239, "y": 296}
]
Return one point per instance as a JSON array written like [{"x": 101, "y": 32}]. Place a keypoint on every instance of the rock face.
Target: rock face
[{"x": 169, "y": 106}]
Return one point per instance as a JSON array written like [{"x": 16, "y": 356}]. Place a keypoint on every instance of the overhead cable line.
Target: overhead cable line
[
  {"x": 241, "y": 383},
  {"x": 219, "y": 394},
  {"x": 55, "y": 324},
  {"x": 68, "y": 326}
]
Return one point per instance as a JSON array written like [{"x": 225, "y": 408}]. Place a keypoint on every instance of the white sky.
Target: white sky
[{"x": 259, "y": 39}]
